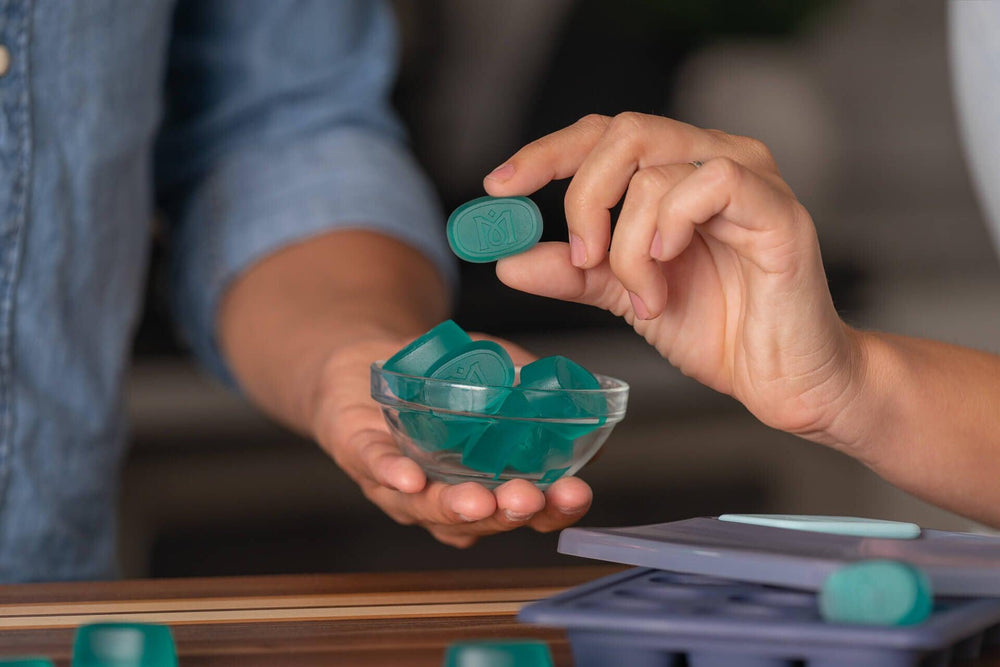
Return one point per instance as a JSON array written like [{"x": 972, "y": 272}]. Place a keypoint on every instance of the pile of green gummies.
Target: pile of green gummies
[{"x": 464, "y": 400}]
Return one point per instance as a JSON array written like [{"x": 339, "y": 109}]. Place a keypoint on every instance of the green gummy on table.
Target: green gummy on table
[
  {"x": 124, "y": 645},
  {"x": 488, "y": 228},
  {"x": 418, "y": 357},
  {"x": 511, "y": 653},
  {"x": 25, "y": 662},
  {"x": 876, "y": 592},
  {"x": 833, "y": 525}
]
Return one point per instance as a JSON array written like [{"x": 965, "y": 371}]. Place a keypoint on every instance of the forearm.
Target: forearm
[
  {"x": 928, "y": 420},
  {"x": 286, "y": 315}
]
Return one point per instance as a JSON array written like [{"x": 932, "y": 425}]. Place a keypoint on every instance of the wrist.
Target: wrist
[{"x": 865, "y": 408}]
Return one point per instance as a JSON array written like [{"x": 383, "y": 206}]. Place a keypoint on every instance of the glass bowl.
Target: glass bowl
[{"x": 465, "y": 432}]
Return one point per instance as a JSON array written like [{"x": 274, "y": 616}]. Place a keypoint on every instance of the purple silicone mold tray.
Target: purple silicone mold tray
[{"x": 646, "y": 618}]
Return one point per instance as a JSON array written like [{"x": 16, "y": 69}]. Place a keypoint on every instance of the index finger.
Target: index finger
[
  {"x": 559, "y": 154},
  {"x": 552, "y": 157}
]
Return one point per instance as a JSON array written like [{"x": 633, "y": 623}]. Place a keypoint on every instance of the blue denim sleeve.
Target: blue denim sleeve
[{"x": 278, "y": 128}]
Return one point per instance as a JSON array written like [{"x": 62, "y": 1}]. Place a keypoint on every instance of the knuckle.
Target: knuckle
[
  {"x": 648, "y": 181},
  {"x": 725, "y": 171},
  {"x": 627, "y": 127},
  {"x": 758, "y": 154},
  {"x": 667, "y": 211},
  {"x": 593, "y": 121},
  {"x": 628, "y": 121}
]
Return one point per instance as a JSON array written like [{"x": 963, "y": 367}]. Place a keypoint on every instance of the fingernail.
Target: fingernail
[
  {"x": 656, "y": 247},
  {"x": 467, "y": 519},
  {"x": 502, "y": 173},
  {"x": 518, "y": 516},
  {"x": 570, "y": 511},
  {"x": 638, "y": 307},
  {"x": 577, "y": 250}
]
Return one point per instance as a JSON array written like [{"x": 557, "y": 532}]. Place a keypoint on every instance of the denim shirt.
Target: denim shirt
[{"x": 250, "y": 125}]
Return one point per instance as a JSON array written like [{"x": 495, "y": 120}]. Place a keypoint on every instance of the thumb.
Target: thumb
[{"x": 546, "y": 270}]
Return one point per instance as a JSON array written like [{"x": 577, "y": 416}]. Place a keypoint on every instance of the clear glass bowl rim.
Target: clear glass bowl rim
[{"x": 617, "y": 394}]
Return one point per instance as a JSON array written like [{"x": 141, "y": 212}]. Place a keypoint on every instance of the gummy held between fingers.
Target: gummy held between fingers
[{"x": 489, "y": 228}]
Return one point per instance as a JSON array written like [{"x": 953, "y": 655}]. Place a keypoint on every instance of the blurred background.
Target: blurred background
[{"x": 854, "y": 99}]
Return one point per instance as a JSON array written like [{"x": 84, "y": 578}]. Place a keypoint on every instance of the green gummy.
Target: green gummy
[
  {"x": 418, "y": 357},
  {"x": 124, "y": 645},
  {"x": 482, "y": 363},
  {"x": 490, "y": 452},
  {"x": 488, "y": 228},
  {"x": 557, "y": 372},
  {"x": 511, "y": 653},
  {"x": 876, "y": 592},
  {"x": 833, "y": 525},
  {"x": 540, "y": 451},
  {"x": 433, "y": 433},
  {"x": 526, "y": 446},
  {"x": 553, "y": 374}
]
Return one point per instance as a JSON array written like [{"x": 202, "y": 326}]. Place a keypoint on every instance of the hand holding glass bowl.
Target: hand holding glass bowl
[{"x": 547, "y": 426}]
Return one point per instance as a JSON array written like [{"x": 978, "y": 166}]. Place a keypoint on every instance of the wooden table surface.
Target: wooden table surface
[{"x": 399, "y": 619}]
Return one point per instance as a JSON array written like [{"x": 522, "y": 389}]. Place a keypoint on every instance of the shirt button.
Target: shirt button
[{"x": 4, "y": 60}]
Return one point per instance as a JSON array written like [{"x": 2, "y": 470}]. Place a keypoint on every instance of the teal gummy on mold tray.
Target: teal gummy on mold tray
[{"x": 646, "y": 617}]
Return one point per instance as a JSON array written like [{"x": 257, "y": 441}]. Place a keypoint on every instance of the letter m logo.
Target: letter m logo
[{"x": 496, "y": 231}]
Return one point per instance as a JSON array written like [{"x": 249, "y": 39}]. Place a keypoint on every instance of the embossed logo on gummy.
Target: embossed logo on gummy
[
  {"x": 496, "y": 230},
  {"x": 472, "y": 374}
]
